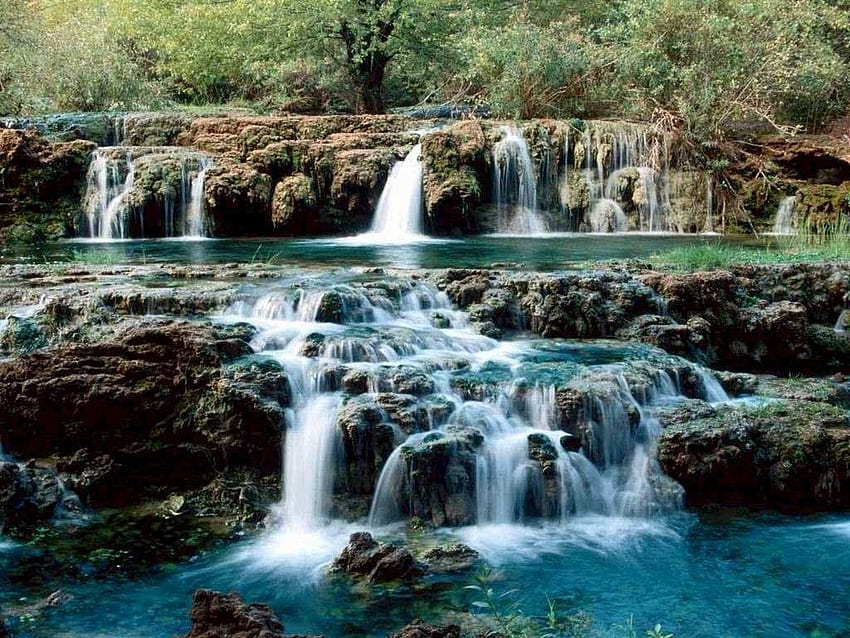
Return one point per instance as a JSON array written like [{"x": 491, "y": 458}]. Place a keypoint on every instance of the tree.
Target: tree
[
  {"x": 717, "y": 64},
  {"x": 364, "y": 37}
]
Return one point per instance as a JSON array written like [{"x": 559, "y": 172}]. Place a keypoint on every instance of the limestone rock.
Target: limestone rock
[
  {"x": 217, "y": 615},
  {"x": 375, "y": 562}
]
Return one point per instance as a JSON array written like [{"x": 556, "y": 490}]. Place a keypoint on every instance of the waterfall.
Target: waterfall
[
  {"x": 608, "y": 217},
  {"x": 109, "y": 185},
  {"x": 399, "y": 217},
  {"x": 110, "y": 212},
  {"x": 843, "y": 322},
  {"x": 399, "y": 213},
  {"x": 515, "y": 185},
  {"x": 784, "y": 222},
  {"x": 615, "y": 172},
  {"x": 194, "y": 224},
  {"x": 483, "y": 416},
  {"x": 308, "y": 466}
]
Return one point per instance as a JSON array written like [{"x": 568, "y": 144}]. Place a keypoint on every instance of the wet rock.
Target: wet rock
[
  {"x": 29, "y": 495},
  {"x": 450, "y": 558},
  {"x": 243, "y": 497},
  {"x": 153, "y": 411},
  {"x": 42, "y": 186},
  {"x": 22, "y": 336},
  {"x": 664, "y": 333},
  {"x": 365, "y": 558},
  {"x": 420, "y": 629},
  {"x": 790, "y": 454},
  {"x": 465, "y": 288},
  {"x": 370, "y": 425},
  {"x": 440, "y": 471},
  {"x": 456, "y": 164},
  {"x": 217, "y": 615}
]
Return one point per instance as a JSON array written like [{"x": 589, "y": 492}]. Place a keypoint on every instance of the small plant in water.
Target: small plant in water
[
  {"x": 503, "y": 608},
  {"x": 509, "y": 621},
  {"x": 658, "y": 632}
]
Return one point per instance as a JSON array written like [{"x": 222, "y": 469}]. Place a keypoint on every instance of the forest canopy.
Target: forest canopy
[{"x": 711, "y": 66}]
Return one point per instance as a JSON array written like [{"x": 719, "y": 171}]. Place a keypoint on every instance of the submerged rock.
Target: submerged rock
[{"x": 420, "y": 629}]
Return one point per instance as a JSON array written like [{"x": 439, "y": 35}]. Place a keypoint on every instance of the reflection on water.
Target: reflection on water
[{"x": 549, "y": 252}]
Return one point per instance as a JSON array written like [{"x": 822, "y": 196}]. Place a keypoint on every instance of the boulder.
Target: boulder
[
  {"x": 29, "y": 495},
  {"x": 448, "y": 559},
  {"x": 365, "y": 558},
  {"x": 789, "y": 454},
  {"x": 146, "y": 413},
  {"x": 42, "y": 185},
  {"x": 217, "y": 615},
  {"x": 440, "y": 475}
]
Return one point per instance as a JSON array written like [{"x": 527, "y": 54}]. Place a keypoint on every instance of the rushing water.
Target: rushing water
[
  {"x": 399, "y": 215},
  {"x": 602, "y": 532},
  {"x": 110, "y": 212},
  {"x": 515, "y": 186},
  {"x": 784, "y": 223}
]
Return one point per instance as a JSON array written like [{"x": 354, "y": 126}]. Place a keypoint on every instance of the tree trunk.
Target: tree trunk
[{"x": 370, "y": 85}]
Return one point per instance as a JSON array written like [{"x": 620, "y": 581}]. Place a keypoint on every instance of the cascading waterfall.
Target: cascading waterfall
[
  {"x": 109, "y": 210},
  {"x": 784, "y": 222},
  {"x": 497, "y": 414},
  {"x": 843, "y": 322},
  {"x": 194, "y": 224},
  {"x": 708, "y": 227},
  {"x": 515, "y": 186},
  {"x": 615, "y": 172},
  {"x": 107, "y": 193},
  {"x": 399, "y": 215}
]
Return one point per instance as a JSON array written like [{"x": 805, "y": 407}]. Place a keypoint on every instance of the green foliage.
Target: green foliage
[
  {"x": 831, "y": 243},
  {"x": 718, "y": 65},
  {"x": 524, "y": 70},
  {"x": 503, "y": 608},
  {"x": 708, "y": 69}
]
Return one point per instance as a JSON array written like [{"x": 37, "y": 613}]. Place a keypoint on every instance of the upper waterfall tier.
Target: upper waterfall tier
[
  {"x": 545, "y": 176},
  {"x": 136, "y": 192}
]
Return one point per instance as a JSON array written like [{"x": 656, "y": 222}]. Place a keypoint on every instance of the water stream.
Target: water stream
[
  {"x": 785, "y": 222},
  {"x": 112, "y": 211},
  {"x": 399, "y": 215},
  {"x": 515, "y": 186}
]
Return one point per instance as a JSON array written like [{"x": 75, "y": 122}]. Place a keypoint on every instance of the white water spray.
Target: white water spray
[
  {"x": 784, "y": 222},
  {"x": 515, "y": 186}
]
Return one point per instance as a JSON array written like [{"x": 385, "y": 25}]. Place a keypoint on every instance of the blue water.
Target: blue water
[
  {"x": 709, "y": 575},
  {"x": 535, "y": 253}
]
